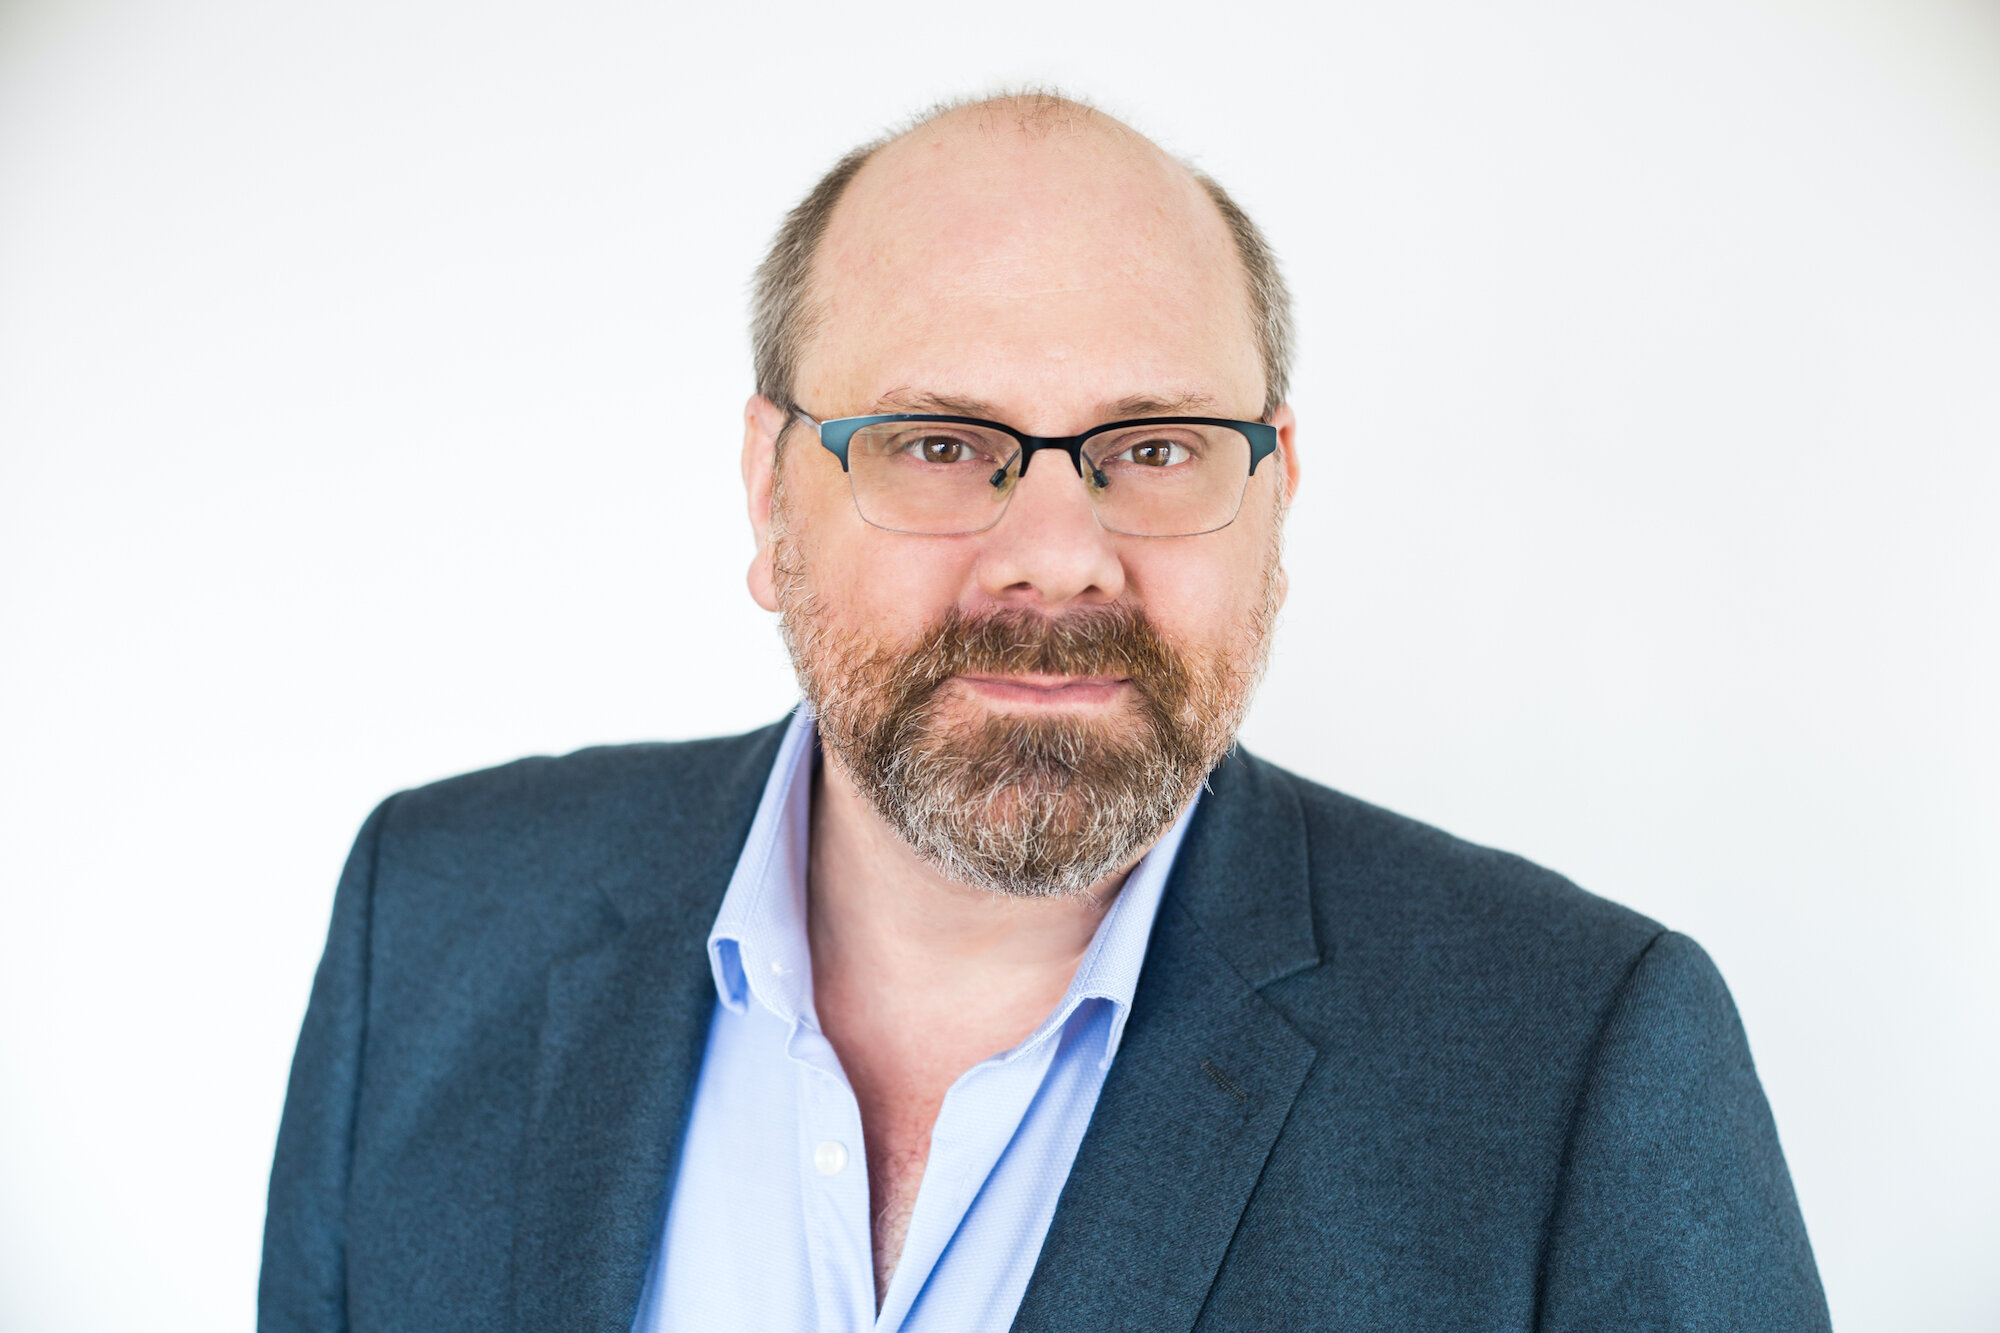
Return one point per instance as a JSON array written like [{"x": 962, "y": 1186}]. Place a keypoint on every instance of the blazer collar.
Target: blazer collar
[
  {"x": 1241, "y": 872},
  {"x": 1244, "y": 874},
  {"x": 686, "y": 843}
]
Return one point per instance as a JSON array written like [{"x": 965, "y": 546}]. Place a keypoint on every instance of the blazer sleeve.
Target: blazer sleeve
[
  {"x": 303, "y": 1285},
  {"x": 1675, "y": 1209}
]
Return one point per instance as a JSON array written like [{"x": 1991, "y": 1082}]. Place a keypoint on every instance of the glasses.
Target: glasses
[{"x": 945, "y": 476}]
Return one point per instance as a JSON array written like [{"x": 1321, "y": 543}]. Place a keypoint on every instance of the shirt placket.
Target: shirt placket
[{"x": 833, "y": 1187}]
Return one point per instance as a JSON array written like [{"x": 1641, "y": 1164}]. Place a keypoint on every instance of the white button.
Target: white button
[
  {"x": 830, "y": 1157},
  {"x": 777, "y": 968}
]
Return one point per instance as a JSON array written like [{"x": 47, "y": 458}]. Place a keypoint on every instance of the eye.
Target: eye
[
  {"x": 942, "y": 449},
  {"x": 1154, "y": 453}
]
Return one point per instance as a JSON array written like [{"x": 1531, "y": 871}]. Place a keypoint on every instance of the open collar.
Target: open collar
[{"x": 758, "y": 947}]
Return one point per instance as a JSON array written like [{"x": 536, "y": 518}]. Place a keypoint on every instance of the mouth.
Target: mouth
[{"x": 1036, "y": 693}]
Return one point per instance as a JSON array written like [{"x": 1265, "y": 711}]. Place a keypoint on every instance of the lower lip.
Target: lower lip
[{"x": 1049, "y": 693}]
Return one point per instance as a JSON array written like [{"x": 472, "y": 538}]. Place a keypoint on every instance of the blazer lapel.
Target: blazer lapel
[
  {"x": 620, "y": 1047},
  {"x": 1203, "y": 1080},
  {"x": 621, "y": 1043}
]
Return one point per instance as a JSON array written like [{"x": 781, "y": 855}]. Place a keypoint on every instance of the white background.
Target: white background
[{"x": 370, "y": 377}]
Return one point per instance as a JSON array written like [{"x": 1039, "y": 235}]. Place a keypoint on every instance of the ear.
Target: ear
[
  {"x": 763, "y": 421},
  {"x": 1288, "y": 453}
]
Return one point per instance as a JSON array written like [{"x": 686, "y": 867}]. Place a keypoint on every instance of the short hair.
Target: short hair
[{"x": 783, "y": 315}]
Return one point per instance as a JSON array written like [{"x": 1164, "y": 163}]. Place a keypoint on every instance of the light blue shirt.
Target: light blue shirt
[{"x": 768, "y": 1223}]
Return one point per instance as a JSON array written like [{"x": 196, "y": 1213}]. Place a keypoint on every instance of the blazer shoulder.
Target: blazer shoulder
[
  {"x": 612, "y": 815},
  {"x": 1380, "y": 877},
  {"x": 527, "y": 792}
]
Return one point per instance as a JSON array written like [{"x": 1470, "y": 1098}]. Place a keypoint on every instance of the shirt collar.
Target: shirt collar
[{"x": 758, "y": 944}]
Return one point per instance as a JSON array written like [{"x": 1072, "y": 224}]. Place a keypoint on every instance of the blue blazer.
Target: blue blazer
[{"x": 1374, "y": 1078}]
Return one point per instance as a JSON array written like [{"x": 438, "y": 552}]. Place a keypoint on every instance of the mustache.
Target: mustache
[{"x": 1113, "y": 640}]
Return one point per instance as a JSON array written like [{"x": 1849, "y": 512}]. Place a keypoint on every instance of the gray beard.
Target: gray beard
[
  {"x": 1031, "y": 808},
  {"x": 1026, "y": 807}
]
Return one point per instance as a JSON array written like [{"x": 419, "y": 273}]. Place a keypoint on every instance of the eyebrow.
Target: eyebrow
[
  {"x": 1189, "y": 402},
  {"x": 944, "y": 404}
]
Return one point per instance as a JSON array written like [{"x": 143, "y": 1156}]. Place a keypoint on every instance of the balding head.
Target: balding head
[{"x": 1033, "y": 190}]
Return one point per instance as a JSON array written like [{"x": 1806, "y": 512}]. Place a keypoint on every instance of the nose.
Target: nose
[{"x": 1048, "y": 548}]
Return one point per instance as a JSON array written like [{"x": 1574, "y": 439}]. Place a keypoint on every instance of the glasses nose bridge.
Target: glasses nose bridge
[
  {"x": 1072, "y": 445},
  {"x": 1094, "y": 480}
]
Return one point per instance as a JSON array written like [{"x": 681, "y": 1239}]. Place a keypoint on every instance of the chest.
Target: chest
[
  {"x": 896, "y": 1127},
  {"x": 902, "y": 1059},
  {"x": 900, "y": 1079}
]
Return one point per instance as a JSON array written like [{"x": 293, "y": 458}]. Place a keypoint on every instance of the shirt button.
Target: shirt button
[{"x": 830, "y": 1157}]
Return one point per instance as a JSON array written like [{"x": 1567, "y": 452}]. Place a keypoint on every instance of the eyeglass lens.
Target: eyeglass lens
[{"x": 1148, "y": 480}]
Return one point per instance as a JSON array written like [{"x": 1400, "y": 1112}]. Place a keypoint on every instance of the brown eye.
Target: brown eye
[
  {"x": 1155, "y": 453},
  {"x": 942, "y": 449}
]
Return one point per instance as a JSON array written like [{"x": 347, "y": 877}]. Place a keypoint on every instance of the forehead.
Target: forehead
[{"x": 979, "y": 257}]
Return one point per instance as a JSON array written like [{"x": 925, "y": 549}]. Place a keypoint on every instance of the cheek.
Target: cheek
[
  {"x": 1198, "y": 591},
  {"x": 875, "y": 585},
  {"x": 1210, "y": 592},
  {"x": 901, "y": 585}
]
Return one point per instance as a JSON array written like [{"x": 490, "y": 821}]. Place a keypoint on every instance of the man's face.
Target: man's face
[{"x": 1033, "y": 687}]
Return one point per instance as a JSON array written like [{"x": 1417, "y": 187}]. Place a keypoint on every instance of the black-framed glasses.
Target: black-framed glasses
[{"x": 946, "y": 476}]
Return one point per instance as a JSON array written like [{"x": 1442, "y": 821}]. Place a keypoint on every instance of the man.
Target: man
[{"x": 993, "y": 990}]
